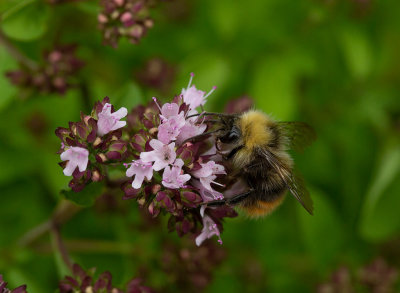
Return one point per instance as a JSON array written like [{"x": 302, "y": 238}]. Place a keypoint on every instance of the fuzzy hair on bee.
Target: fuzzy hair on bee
[{"x": 257, "y": 148}]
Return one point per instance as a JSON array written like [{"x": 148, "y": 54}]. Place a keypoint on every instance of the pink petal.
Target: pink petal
[
  {"x": 156, "y": 144},
  {"x": 121, "y": 113},
  {"x": 137, "y": 183},
  {"x": 148, "y": 156},
  {"x": 69, "y": 169}
]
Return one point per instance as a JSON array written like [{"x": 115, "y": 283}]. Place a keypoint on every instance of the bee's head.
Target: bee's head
[{"x": 230, "y": 132}]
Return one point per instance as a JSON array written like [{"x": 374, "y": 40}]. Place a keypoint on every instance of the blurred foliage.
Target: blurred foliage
[{"x": 331, "y": 63}]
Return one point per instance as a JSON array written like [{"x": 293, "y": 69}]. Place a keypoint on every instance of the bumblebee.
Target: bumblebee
[{"x": 258, "y": 152}]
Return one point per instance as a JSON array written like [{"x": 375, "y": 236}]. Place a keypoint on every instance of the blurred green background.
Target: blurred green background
[{"x": 334, "y": 64}]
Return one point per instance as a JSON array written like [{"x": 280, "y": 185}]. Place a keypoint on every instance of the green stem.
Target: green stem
[{"x": 16, "y": 53}]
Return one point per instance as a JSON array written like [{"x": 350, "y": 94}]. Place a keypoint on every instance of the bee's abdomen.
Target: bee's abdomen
[{"x": 257, "y": 208}]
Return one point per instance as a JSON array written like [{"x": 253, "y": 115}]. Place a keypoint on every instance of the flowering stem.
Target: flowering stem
[
  {"x": 59, "y": 245},
  {"x": 92, "y": 247},
  {"x": 16, "y": 53},
  {"x": 63, "y": 212},
  {"x": 85, "y": 94}
]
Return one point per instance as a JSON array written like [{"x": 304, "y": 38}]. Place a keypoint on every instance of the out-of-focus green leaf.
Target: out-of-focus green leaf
[
  {"x": 26, "y": 21},
  {"x": 323, "y": 232},
  {"x": 128, "y": 96},
  {"x": 91, "y": 7},
  {"x": 87, "y": 196},
  {"x": 7, "y": 89},
  {"x": 210, "y": 70},
  {"x": 357, "y": 51},
  {"x": 275, "y": 84},
  {"x": 380, "y": 211}
]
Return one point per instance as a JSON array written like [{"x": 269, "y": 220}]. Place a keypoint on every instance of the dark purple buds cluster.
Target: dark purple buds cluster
[
  {"x": 376, "y": 277},
  {"x": 124, "y": 18},
  {"x": 157, "y": 74},
  {"x": 84, "y": 281},
  {"x": 56, "y": 73},
  {"x": 4, "y": 289},
  {"x": 89, "y": 145}
]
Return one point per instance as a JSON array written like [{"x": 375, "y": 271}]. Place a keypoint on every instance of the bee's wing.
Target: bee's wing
[
  {"x": 294, "y": 181},
  {"x": 299, "y": 134}
]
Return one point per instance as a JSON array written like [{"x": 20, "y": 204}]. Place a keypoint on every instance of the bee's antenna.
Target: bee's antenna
[
  {"x": 200, "y": 135},
  {"x": 210, "y": 114}
]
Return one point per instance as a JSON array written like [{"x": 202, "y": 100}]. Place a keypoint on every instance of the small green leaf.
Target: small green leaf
[
  {"x": 26, "y": 21},
  {"x": 274, "y": 88},
  {"x": 128, "y": 96},
  {"x": 323, "y": 232},
  {"x": 7, "y": 89},
  {"x": 379, "y": 218},
  {"x": 87, "y": 196},
  {"x": 357, "y": 51}
]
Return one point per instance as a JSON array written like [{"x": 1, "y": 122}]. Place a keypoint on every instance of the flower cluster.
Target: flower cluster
[
  {"x": 89, "y": 145},
  {"x": 377, "y": 277},
  {"x": 83, "y": 281},
  {"x": 189, "y": 267},
  {"x": 4, "y": 289},
  {"x": 172, "y": 165},
  {"x": 55, "y": 74},
  {"x": 158, "y": 74},
  {"x": 124, "y": 18},
  {"x": 173, "y": 171}
]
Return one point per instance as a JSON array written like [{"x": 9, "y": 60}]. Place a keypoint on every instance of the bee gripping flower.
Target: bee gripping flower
[
  {"x": 76, "y": 157},
  {"x": 110, "y": 121}
]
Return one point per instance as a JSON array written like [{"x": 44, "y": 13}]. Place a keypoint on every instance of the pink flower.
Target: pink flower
[
  {"x": 171, "y": 128},
  {"x": 140, "y": 170},
  {"x": 173, "y": 177},
  {"x": 162, "y": 154},
  {"x": 169, "y": 110},
  {"x": 110, "y": 121},
  {"x": 76, "y": 157},
  {"x": 189, "y": 130},
  {"x": 207, "y": 173},
  {"x": 194, "y": 97},
  {"x": 206, "y": 194},
  {"x": 209, "y": 230}
]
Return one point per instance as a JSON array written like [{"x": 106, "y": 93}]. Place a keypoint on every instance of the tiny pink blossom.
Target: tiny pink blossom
[
  {"x": 102, "y": 18},
  {"x": 162, "y": 154},
  {"x": 110, "y": 121},
  {"x": 169, "y": 110},
  {"x": 193, "y": 97},
  {"x": 209, "y": 229},
  {"x": 76, "y": 157},
  {"x": 171, "y": 128},
  {"x": 207, "y": 173},
  {"x": 173, "y": 177},
  {"x": 207, "y": 194},
  {"x": 127, "y": 16},
  {"x": 189, "y": 130},
  {"x": 140, "y": 170},
  {"x": 119, "y": 2}
]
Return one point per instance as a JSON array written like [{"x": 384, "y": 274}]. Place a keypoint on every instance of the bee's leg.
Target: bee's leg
[
  {"x": 239, "y": 198},
  {"x": 232, "y": 153},
  {"x": 231, "y": 201}
]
